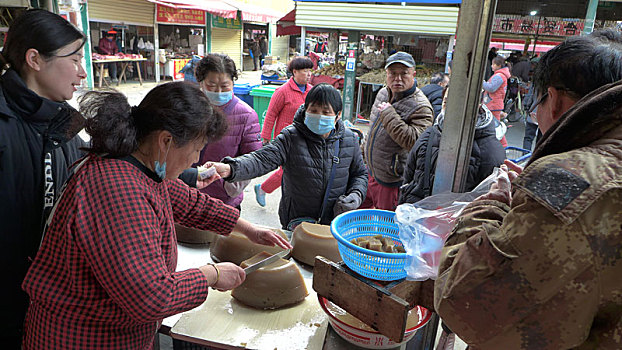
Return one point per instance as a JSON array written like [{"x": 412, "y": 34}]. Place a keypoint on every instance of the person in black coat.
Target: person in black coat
[
  {"x": 308, "y": 150},
  {"x": 434, "y": 91},
  {"x": 486, "y": 154},
  {"x": 38, "y": 144}
]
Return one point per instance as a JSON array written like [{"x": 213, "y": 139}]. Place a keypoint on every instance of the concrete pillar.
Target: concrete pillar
[{"x": 470, "y": 59}]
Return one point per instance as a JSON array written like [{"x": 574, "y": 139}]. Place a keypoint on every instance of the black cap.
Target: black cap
[{"x": 400, "y": 57}]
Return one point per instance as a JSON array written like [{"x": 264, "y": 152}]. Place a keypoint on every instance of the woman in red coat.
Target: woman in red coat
[{"x": 281, "y": 111}]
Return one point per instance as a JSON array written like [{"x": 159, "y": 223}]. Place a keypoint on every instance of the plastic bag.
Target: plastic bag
[{"x": 425, "y": 226}]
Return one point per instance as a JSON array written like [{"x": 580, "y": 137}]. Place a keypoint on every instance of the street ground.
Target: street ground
[{"x": 251, "y": 211}]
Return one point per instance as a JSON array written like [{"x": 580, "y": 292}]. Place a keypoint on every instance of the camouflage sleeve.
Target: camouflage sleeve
[{"x": 497, "y": 269}]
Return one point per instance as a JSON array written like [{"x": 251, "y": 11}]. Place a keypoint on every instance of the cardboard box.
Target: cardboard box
[{"x": 270, "y": 60}]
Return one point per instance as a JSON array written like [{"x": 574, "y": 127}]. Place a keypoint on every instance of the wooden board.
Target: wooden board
[
  {"x": 225, "y": 323},
  {"x": 382, "y": 310}
]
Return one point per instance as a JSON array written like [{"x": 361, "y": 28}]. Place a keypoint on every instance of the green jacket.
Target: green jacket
[{"x": 545, "y": 272}]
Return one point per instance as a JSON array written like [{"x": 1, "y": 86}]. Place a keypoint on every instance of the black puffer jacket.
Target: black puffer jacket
[
  {"x": 434, "y": 93},
  {"x": 307, "y": 160},
  {"x": 486, "y": 154},
  {"x": 38, "y": 144}
]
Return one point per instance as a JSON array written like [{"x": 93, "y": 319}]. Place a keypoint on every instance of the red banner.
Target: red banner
[
  {"x": 545, "y": 26},
  {"x": 167, "y": 14}
]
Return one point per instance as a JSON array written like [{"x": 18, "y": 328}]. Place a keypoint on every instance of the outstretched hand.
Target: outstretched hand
[{"x": 261, "y": 235}]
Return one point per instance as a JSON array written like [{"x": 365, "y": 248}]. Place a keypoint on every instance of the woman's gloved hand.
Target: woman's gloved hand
[{"x": 347, "y": 202}]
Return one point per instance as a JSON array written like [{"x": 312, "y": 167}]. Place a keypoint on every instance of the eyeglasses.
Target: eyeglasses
[{"x": 539, "y": 101}]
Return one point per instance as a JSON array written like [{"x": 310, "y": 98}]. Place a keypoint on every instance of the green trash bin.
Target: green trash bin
[{"x": 261, "y": 99}]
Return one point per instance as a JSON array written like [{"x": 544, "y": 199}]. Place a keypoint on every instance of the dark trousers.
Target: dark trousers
[
  {"x": 255, "y": 59},
  {"x": 112, "y": 70},
  {"x": 531, "y": 130}
]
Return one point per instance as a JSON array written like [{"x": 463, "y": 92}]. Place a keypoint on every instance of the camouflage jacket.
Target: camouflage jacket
[{"x": 545, "y": 272}]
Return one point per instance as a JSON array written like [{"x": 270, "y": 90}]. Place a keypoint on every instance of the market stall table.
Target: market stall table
[
  {"x": 124, "y": 63},
  {"x": 210, "y": 323}
]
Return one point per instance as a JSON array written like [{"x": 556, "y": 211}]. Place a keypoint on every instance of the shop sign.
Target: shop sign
[
  {"x": 553, "y": 26},
  {"x": 227, "y": 23},
  {"x": 173, "y": 15}
]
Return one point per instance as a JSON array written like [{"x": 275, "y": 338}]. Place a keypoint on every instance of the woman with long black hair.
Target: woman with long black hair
[{"x": 41, "y": 65}]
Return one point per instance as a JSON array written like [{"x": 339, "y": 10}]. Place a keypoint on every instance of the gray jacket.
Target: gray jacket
[{"x": 307, "y": 160}]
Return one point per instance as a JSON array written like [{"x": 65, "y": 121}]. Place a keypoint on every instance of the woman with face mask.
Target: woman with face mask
[
  {"x": 216, "y": 74},
  {"x": 41, "y": 62},
  {"x": 316, "y": 152},
  {"x": 105, "y": 276},
  {"x": 283, "y": 106}
]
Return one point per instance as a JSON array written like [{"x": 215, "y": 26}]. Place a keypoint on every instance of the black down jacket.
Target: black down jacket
[
  {"x": 486, "y": 154},
  {"x": 38, "y": 144},
  {"x": 434, "y": 93},
  {"x": 307, "y": 160}
]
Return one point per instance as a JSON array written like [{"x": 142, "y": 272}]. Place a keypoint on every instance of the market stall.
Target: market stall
[
  {"x": 101, "y": 61},
  {"x": 133, "y": 22},
  {"x": 181, "y": 34}
]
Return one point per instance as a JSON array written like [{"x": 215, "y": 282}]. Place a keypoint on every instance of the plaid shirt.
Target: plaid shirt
[{"x": 104, "y": 276}]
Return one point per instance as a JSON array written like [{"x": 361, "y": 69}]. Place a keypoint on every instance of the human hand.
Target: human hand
[
  {"x": 261, "y": 235},
  {"x": 514, "y": 169},
  {"x": 223, "y": 276},
  {"x": 267, "y": 237},
  {"x": 347, "y": 203},
  {"x": 265, "y": 141},
  {"x": 222, "y": 169},
  {"x": 501, "y": 190},
  {"x": 384, "y": 105},
  {"x": 205, "y": 170}
]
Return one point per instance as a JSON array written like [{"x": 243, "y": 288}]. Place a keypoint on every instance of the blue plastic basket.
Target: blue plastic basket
[
  {"x": 517, "y": 155},
  {"x": 371, "y": 264}
]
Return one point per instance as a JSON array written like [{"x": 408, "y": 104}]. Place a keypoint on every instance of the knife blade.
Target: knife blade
[{"x": 266, "y": 261}]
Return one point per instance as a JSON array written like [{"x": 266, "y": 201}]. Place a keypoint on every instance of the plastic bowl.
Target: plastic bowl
[{"x": 370, "y": 339}]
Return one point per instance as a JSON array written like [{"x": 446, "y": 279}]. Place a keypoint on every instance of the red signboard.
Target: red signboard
[
  {"x": 545, "y": 25},
  {"x": 173, "y": 15}
]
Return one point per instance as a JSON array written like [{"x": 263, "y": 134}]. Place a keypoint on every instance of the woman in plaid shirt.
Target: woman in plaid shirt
[{"x": 104, "y": 276}]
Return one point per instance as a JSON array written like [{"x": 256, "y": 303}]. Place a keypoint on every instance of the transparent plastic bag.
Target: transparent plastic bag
[{"x": 425, "y": 226}]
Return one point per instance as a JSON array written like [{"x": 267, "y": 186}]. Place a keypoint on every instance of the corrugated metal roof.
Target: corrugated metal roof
[
  {"x": 138, "y": 12},
  {"x": 439, "y": 20}
]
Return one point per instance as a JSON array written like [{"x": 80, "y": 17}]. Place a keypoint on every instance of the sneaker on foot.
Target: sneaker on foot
[{"x": 260, "y": 195}]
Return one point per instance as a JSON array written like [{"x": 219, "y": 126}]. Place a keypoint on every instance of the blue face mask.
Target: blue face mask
[
  {"x": 160, "y": 169},
  {"x": 219, "y": 98},
  {"x": 319, "y": 124}
]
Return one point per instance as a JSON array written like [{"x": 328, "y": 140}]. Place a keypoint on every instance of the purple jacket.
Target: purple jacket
[{"x": 242, "y": 137}]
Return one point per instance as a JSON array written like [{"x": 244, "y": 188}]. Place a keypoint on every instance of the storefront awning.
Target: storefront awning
[
  {"x": 287, "y": 25},
  {"x": 215, "y": 7},
  {"x": 254, "y": 13}
]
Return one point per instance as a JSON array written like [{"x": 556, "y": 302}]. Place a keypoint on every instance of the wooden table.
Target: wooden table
[{"x": 124, "y": 63}]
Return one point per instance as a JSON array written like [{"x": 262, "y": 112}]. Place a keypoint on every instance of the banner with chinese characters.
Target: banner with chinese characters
[
  {"x": 173, "y": 15},
  {"x": 553, "y": 26},
  {"x": 227, "y": 23}
]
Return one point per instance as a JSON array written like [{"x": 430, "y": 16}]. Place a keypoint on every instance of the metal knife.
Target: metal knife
[{"x": 266, "y": 261}]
